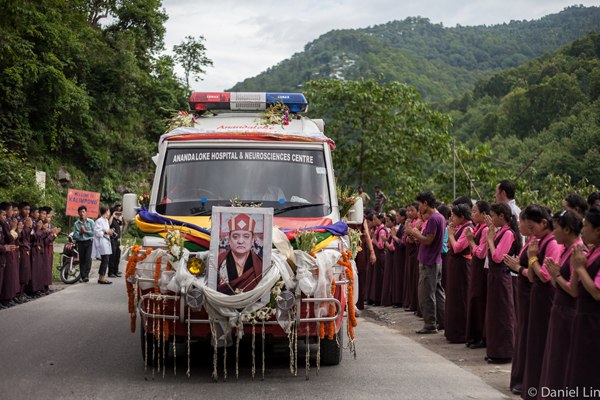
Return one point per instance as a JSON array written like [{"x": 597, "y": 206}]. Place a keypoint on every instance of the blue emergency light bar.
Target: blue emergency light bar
[{"x": 246, "y": 101}]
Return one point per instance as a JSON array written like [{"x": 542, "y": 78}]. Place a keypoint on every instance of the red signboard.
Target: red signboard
[{"x": 77, "y": 198}]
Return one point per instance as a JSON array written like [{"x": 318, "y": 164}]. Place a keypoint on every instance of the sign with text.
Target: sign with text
[
  {"x": 77, "y": 198},
  {"x": 178, "y": 156}
]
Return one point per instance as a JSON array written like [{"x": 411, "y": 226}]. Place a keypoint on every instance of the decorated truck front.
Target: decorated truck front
[{"x": 242, "y": 233}]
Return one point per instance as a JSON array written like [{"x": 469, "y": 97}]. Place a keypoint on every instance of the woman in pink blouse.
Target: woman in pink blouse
[
  {"x": 411, "y": 266},
  {"x": 519, "y": 265},
  {"x": 567, "y": 227},
  {"x": 502, "y": 238},
  {"x": 457, "y": 278},
  {"x": 542, "y": 293},
  {"x": 476, "y": 298},
  {"x": 370, "y": 230},
  {"x": 584, "y": 363},
  {"x": 378, "y": 240},
  {"x": 388, "y": 265},
  {"x": 399, "y": 259}
]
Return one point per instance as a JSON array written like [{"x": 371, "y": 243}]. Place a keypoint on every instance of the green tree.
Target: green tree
[
  {"x": 383, "y": 132},
  {"x": 191, "y": 54},
  {"x": 82, "y": 87}
]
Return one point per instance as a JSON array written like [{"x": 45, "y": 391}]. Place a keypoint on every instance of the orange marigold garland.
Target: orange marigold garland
[
  {"x": 322, "y": 330},
  {"x": 164, "y": 329},
  {"x": 129, "y": 274},
  {"x": 157, "y": 274},
  {"x": 345, "y": 262},
  {"x": 331, "y": 324},
  {"x": 330, "y": 313}
]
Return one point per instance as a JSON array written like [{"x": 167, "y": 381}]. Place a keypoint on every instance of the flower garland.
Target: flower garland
[
  {"x": 331, "y": 312},
  {"x": 174, "y": 241},
  {"x": 157, "y": 268},
  {"x": 331, "y": 324},
  {"x": 267, "y": 311},
  {"x": 129, "y": 279},
  {"x": 354, "y": 237},
  {"x": 259, "y": 315},
  {"x": 144, "y": 200},
  {"x": 346, "y": 199},
  {"x": 180, "y": 119},
  {"x": 276, "y": 114},
  {"x": 345, "y": 262},
  {"x": 164, "y": 332}
]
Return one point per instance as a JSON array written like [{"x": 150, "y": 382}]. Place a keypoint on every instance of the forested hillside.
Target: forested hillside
[
  {"x": 83, "y": 87},
  {"x": 440, "y": 62},
  {"x": 546, "y": 111}
]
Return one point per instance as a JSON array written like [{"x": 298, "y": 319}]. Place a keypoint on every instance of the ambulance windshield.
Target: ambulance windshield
[{"x": 292, "y": 181}]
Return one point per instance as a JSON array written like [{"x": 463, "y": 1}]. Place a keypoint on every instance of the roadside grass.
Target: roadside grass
[{"x": 56, "y": 262}]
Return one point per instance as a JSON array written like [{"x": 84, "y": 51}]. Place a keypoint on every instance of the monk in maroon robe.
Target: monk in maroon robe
[
  {"x": 10, "y": 282},
  {"x": 240, "y": 269}
]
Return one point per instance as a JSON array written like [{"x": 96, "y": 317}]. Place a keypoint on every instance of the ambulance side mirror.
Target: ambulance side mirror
[{"x": 356, "y": 213}]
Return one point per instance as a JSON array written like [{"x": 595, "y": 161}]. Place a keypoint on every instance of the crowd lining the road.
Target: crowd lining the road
[
  {"x": 525, "y": 285},
  {"x": 26, "y": 250}
]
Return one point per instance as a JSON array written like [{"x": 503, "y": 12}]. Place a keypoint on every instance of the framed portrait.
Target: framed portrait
[{"x": 240, "y": 248}]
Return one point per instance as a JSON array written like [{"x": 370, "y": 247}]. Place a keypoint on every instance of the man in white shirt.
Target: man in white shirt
[{"x": 505, "y": 193}]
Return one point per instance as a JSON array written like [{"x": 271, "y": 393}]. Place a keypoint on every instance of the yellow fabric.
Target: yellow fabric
[
  {"x": 324, "y": 243},
  {"x": 203, "y": 222}
]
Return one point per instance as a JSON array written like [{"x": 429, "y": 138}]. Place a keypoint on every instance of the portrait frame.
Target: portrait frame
[{"x": 261, "y": 225}]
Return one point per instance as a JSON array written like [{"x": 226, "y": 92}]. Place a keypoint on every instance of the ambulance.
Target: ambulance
[{"x": 244, "y": 149}]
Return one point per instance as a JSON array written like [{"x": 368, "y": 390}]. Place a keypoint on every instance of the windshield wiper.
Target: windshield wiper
[
  {"x": 200, "y": 212},
  {"x": 282, "y": 210}
]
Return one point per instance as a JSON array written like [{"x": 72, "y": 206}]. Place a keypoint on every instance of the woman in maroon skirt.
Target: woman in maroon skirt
[
  {"x": 500, "y": 308},
  {"x": 371, "y": 266},
  {"x": 388, "y": 264},
  {"x": 584, "y": 364},
  {"x": 476, "y": 298},
  {"x": 567, "y": 227},
  {"x": 399, "y": 259},
  {"x": 378, "y": 240},
  {"x": 411, "y": 266},
  {"x": 519, "y": 265},
  {"x": 457, "y": 278},
  {"x": 542, "y": 293},
  {"x": 363, "y": 261}
]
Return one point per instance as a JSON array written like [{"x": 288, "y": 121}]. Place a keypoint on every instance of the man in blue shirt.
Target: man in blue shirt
[{"x": 83, "y": 235}]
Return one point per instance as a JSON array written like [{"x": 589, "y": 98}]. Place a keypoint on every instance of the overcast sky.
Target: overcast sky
[{"x": 244, "y": 38}]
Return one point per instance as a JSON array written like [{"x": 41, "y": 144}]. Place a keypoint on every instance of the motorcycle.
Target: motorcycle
[{"x": 69, "y": 262}]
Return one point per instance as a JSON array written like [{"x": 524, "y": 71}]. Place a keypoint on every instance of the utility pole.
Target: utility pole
[{"x": 454, "y": 168}]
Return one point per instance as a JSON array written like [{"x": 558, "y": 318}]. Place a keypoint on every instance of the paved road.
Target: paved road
[{"x": 76, "y": 344}]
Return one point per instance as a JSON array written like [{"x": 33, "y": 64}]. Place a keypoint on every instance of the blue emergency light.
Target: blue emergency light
[{"x": 246, "y": 101}]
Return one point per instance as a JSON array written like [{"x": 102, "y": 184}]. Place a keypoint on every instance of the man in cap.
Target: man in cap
[{"x": 240, "y": 269}]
